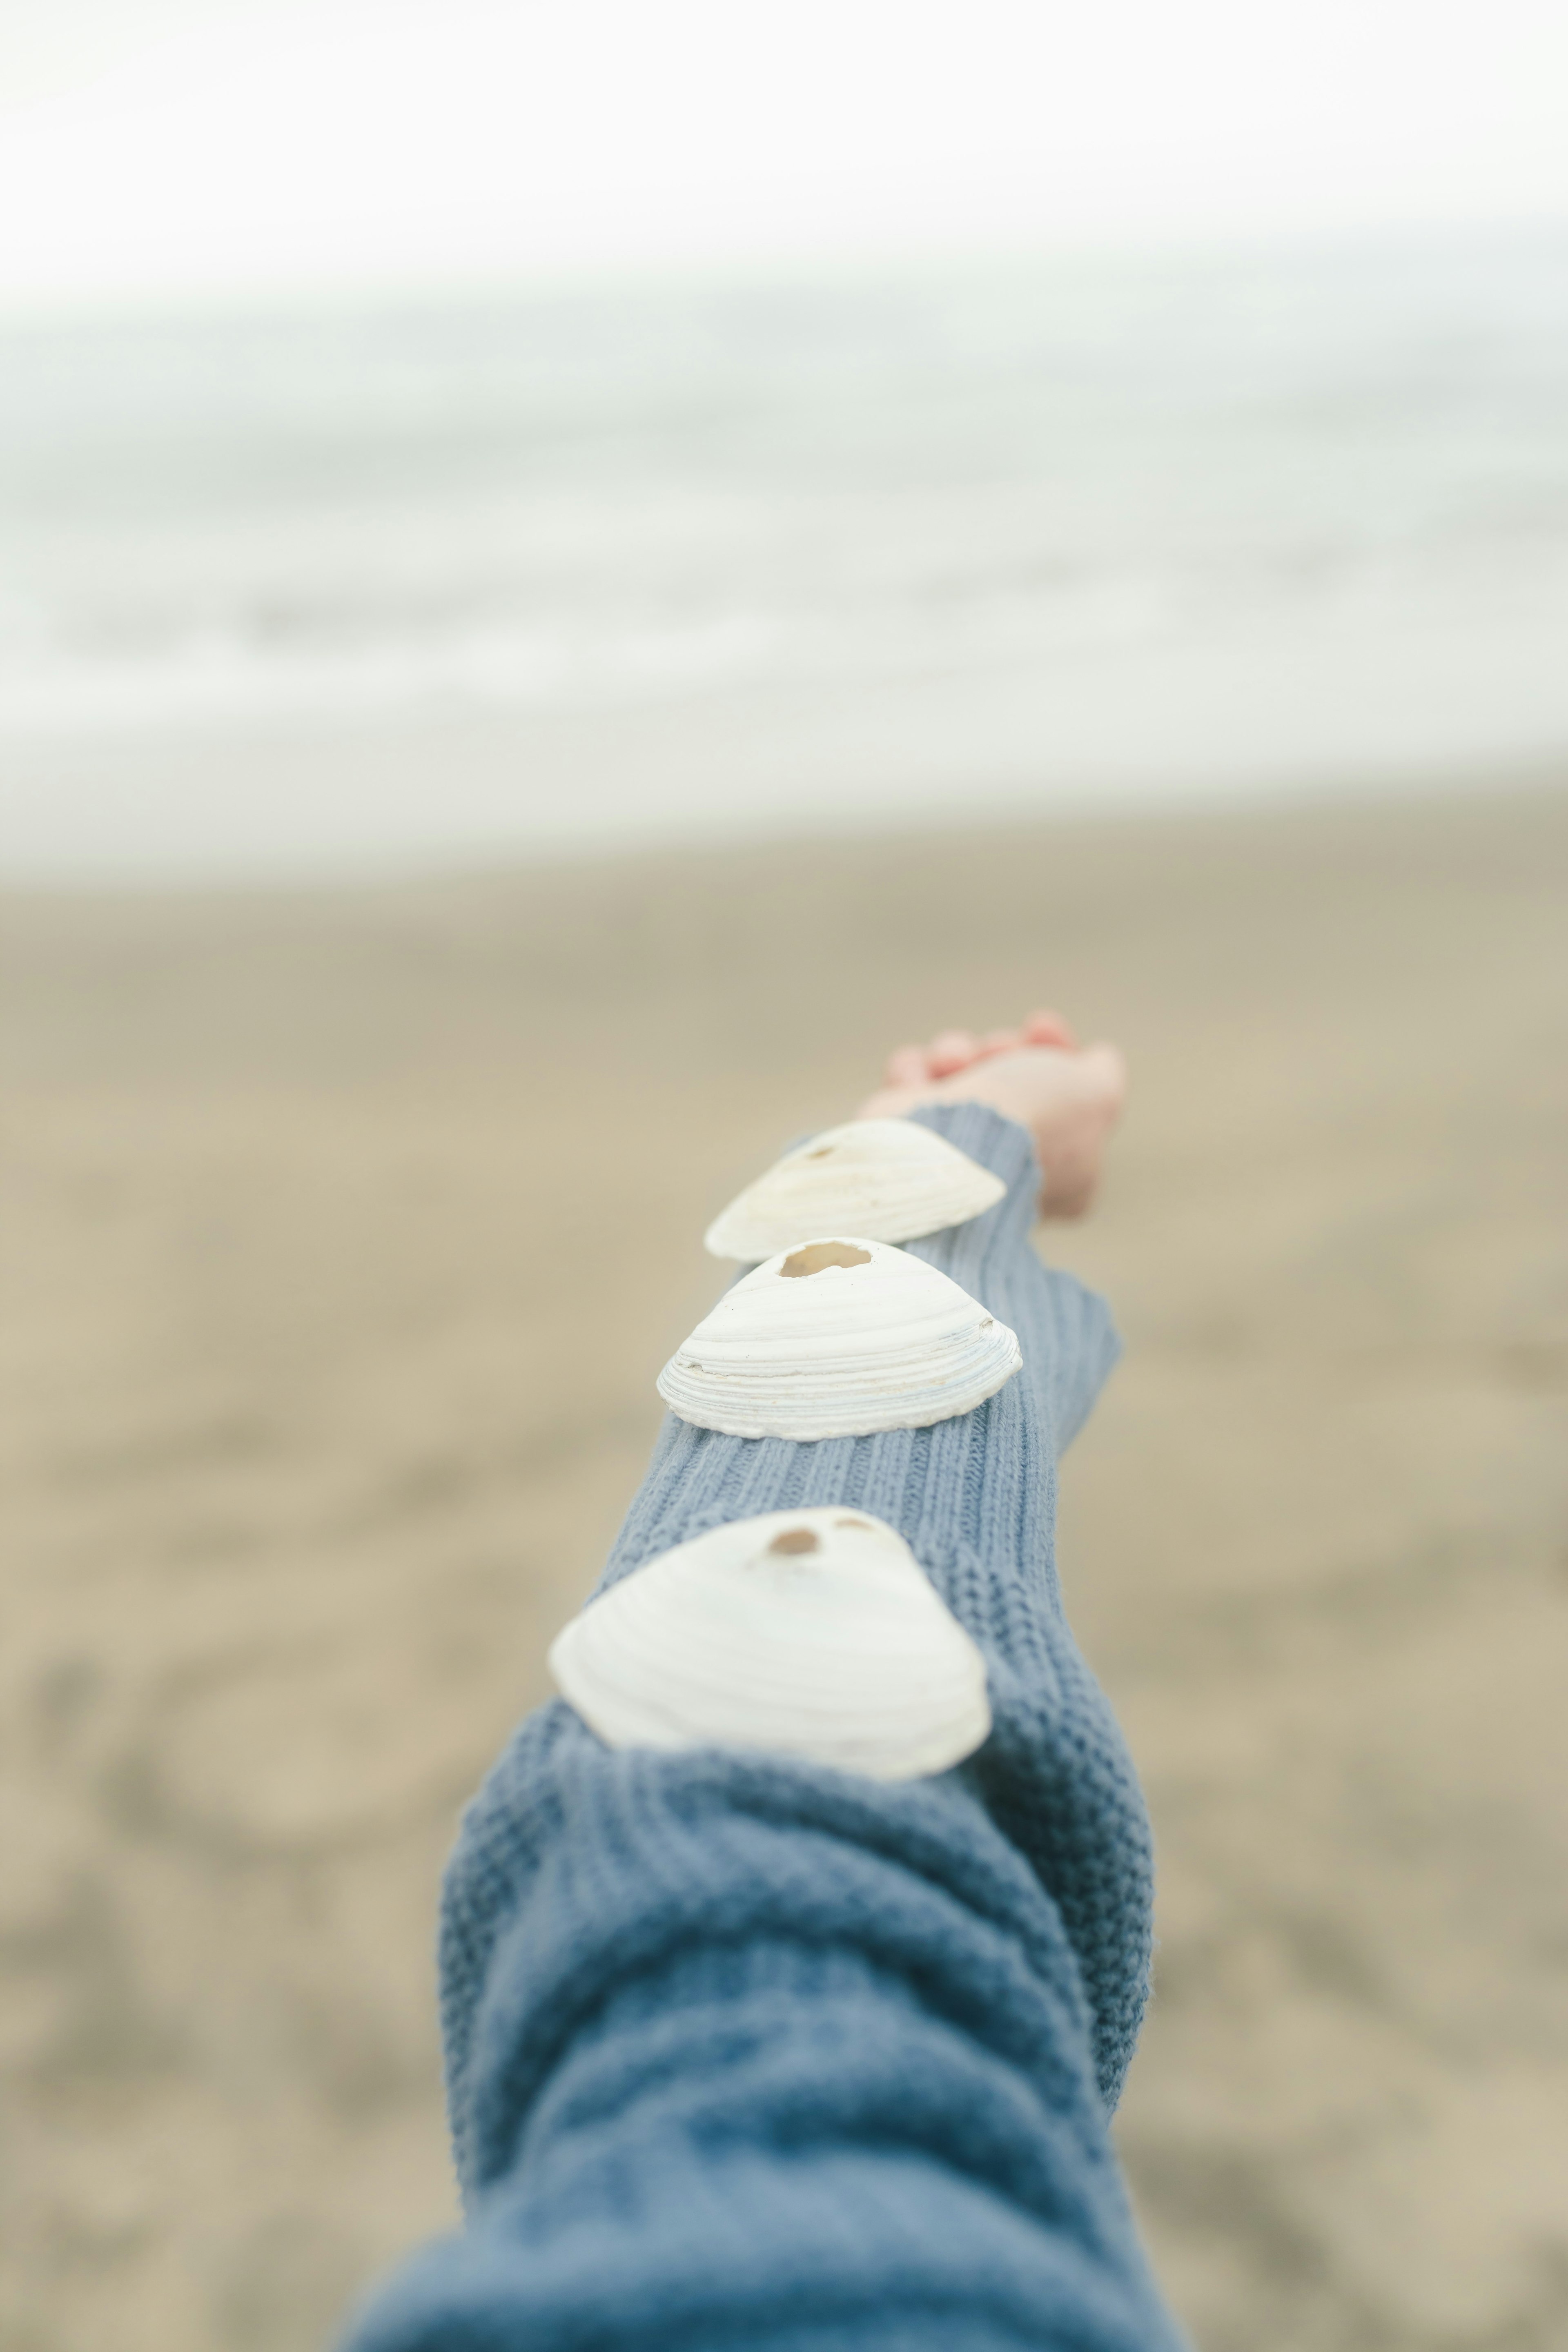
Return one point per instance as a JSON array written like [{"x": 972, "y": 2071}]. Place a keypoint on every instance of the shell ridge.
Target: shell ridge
[
  {"x": 897, "y": 1180},
  {"x": 845, "y": 1652},
  {"x": 895, "y": 1344}
]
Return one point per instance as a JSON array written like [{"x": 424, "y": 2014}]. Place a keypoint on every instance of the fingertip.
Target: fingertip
[
  {"x": 906, "y": 1066},
  {"x": 1048, "y": 1028},
  {"x": 950, "y": 1050}
]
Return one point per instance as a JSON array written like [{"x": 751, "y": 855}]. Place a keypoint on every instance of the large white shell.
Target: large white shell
[
  {"x": 888, "y": 1178},
  {"x": 834, "y": 1339},
  {"x": 804, "y": 1633}
]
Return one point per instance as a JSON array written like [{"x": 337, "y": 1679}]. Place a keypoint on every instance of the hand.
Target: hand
[{"x": 1069, "y": 1097}]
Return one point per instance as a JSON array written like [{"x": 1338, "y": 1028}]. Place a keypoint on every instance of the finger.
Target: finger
[
  {"x": 1048, "y": 1028},
  {"x": 906, "y": 1066},
  {"x": 997, "y": 1041},
  {"x": 951, "y": 1051}
]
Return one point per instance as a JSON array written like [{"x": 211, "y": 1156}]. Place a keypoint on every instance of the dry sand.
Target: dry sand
[{"x": 344, "y": 1237}]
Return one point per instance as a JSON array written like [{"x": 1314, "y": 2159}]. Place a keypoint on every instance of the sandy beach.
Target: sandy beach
[{"x": 343, "y": 1236}]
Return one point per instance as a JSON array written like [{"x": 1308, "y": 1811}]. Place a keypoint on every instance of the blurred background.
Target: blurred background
[{"x": 567, "y": 579}]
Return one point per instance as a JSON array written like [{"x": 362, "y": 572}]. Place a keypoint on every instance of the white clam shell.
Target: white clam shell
[
  {"x": 810, "y": 1632},
  {"x": 837, "y": 1339},
  {"x": 888, "y": 1178}
]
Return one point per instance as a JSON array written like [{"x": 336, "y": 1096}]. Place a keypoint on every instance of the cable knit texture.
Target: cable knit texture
[{"x": 746, "y": 2051}]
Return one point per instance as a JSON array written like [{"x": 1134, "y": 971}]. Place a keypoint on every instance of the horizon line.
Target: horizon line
[{"x": 772, "y": 265}]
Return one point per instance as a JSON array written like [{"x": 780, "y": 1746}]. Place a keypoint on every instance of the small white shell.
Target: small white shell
[
  {"x": 889, "y": 1179},
  {"x": 834, "y": 1339},
  {"x": 804, "y": 1633}
]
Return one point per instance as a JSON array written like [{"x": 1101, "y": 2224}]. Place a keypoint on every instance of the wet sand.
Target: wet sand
[{"x": 343, "y": 1236}]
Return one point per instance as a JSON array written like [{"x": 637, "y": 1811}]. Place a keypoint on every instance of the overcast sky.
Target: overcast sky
[{"x": 177, "y": 148}]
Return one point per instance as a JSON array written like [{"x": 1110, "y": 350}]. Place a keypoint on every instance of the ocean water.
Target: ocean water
[{"x": 289, "y": 594}]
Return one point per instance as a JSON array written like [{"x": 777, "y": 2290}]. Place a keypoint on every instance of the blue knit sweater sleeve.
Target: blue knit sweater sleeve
[{"x": 744, "y": 2052}]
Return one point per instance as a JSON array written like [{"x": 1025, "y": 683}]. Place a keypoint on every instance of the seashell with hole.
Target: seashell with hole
[
  {"x": 810, "y": 1633},
  {"x": 837, "y": 1339},
  {"x": 889, "y": 1180}
]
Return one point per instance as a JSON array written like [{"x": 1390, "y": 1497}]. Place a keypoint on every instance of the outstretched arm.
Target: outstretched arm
[{"x": 745, "y": 2051}]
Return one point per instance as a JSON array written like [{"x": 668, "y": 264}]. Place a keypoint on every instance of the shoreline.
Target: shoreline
[{"x": 498, "y": 865}]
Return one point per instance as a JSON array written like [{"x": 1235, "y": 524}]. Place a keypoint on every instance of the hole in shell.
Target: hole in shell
[
  {"x": 823, "y": 1152},
  {"x": 796, "y": 1540},
  {"x": 817, "y": 1257}
]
